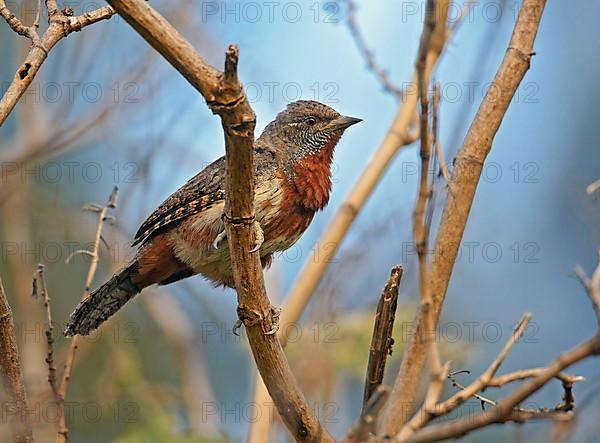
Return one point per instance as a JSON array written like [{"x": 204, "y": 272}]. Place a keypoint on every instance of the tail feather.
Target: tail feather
[{"x": 101, "y": 304}]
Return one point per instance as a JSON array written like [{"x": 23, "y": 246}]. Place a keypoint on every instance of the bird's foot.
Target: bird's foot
[
  {"x": 259, "y": 237},
  {"x": 249, "y": 318},
  {"x": 219, "y": 239}
]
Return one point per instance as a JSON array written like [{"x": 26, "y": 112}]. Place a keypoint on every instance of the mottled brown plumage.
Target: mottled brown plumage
[{"x": 184, "y": 236}]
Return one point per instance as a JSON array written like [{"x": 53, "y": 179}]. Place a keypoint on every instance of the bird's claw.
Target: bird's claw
[
  {"x": 236, "y": 327},
  {"x": 260, "y": 237},
  {"x": 219, "y": 239},
  {"x": 275, "y": 314}
]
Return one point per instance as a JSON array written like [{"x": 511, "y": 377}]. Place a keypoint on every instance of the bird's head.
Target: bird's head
[{"x": 307, "y": 127}]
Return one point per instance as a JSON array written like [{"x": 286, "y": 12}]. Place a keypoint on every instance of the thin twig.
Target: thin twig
[
  {"x": 40, "y": 289},
  {"x": 461, "y": 387},
  {"x": 435, "y": 135},
  {"x": 567, "y": 405},
  {"x": 359, "y": 40},
  {"x": 102, "y": 211},
  {"x": 432, "y": 409},
  {"x": 523, "y": 374},
  {"x": 483, "y": 380},
  {"x": 38, "y": 14},
  {"x": 507, "y": 409}
]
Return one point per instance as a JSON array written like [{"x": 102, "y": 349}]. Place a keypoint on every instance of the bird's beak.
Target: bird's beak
[{"x": 342, "y": 122}]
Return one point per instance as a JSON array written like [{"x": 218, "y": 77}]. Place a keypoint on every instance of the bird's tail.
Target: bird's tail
[{"x": 101, "y": 304}]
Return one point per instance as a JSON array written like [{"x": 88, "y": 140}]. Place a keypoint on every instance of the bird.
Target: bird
[{"x": 186, "y": 236}]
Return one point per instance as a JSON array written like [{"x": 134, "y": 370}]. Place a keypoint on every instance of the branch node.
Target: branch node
[
  {"x": 237, "y": 221},
  {"x": 525, "y": 56},
  {"x": 466, "y": 158},
  {"x": 241, "y": 129},
  {"x": 41, "y": 48}
]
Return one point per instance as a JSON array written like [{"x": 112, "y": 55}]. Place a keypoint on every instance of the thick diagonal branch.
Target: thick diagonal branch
[{"x": 225, "y": 97}]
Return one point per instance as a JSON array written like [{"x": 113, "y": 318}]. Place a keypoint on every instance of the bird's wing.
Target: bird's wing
[{"x": 201, "y": 192}]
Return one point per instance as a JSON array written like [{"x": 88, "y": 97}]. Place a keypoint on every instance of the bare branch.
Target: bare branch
[
  {"x": 433, "y": 38},
  {"x": 524, "y": 414},
  {"x": 16, "y": 24},
  {"x": 501, "y": 380},
  {"x": 89, "y": 18},
  {"x": 12, "y": 376},
  {"x": 483, "y": 380},
  {"x": 507, "y": 409},
  {"x": 60, "y": 26},
  {"x": 224, "y": 96},
  {"x": 504, "y": 409},
  {"x": 432, "y": 409},
  {"x": 52, "y": 7}
]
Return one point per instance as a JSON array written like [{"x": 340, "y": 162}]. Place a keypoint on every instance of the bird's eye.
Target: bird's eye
[{"x": 310, "y": 121}]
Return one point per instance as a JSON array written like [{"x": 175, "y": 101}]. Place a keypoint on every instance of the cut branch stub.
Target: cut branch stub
[{"x": 382, "y": 341}]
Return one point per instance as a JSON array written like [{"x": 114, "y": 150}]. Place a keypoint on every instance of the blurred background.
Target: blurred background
[{"x": 106, "y": 110}]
